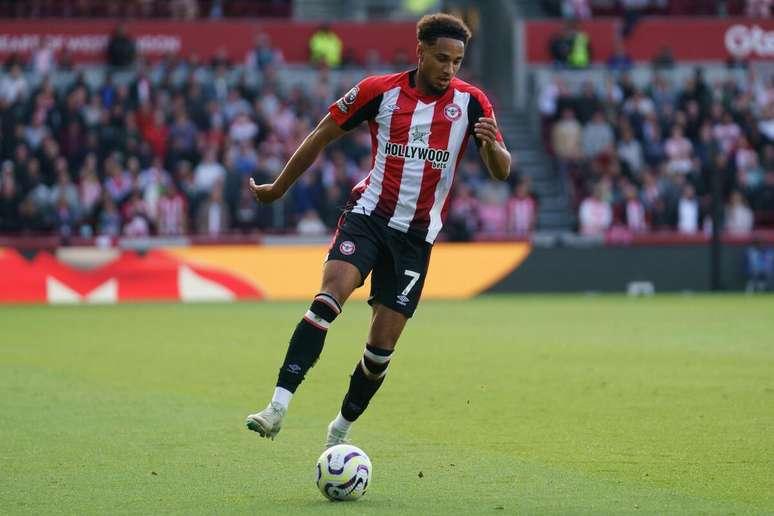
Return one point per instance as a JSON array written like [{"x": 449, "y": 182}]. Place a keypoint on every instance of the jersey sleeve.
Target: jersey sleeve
[
  {"x": 479, "y": 106},
  {"x": 359, "y": 104}
]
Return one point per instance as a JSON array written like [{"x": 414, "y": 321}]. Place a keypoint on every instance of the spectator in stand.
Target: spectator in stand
[
  {"x": 152, "y": 182},
  {"x": 263, "y": 56},
  {"x": 760, "y": 267},
  {"x": 65, "y": 216},
  {"x": 325, "y": 47},
  {"x": 172, "y": 211},
  {"x": 619, "y": 60},
  {"x": 758, "y": 8},
  {"x": 597, "y": 136},
  {"x": 748, "y": 170},
  {"x": 688, "y": 211},
  {"x": 630, "y": 151},
  {"x": 310, "y": 224},
  {"x": 576, "y": 9},
  {"x": 739, "y": 216},
  {"x": 136, "y": 216},
  {"x": 566, "y": 137},
  {"x": 679, "y": 152},
  {"x": 183, "y": 136},
  {"x": 491, "y": 213},
  {"x": 109, "y": 219},
  {"x": 14, "y": 86},
  {"x": 596, "y": 215},
  {"x": 89, "y": 191},
  {"x": 463, "y": 221},
  {"x": 663, "y": 60},
  {"x": 727, "y": 133},
  {"x": 632, "y": 10},
  {"x": 44, "y": 60},
  {"x": 64, "y": 189},
  {"x": 521, "y": 211},
  {"x": 208, "y": 173},
  {"x": 35, "y": 133},
  {"x": 121, "y": 50},
  {"x": 10, "y": 199},
  {"x": 763, "y": 199},
  {"x": 559, "y": 46},
  {"x": 118, "y": 183},
  {"x": 212, "y": 216},
  {"x": 38, "y": 197},
  {"x": 586, "y": 104},
  {"x": 634, "y": 210}
]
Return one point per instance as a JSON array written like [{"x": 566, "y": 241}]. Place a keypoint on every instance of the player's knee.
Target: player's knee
[
  {"x": 384, "y": 341},
  {"x": 324, "y": 310}
]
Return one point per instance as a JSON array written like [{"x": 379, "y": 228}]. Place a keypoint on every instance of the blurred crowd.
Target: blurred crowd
[
  {"x": 630, "y": 10},
  {"x": 647, "y": 157},
  {"x": 168, "y": 149},
  {"x": 175, "y": 9}
]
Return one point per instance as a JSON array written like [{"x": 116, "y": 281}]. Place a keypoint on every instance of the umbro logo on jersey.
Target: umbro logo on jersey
[{"x": 393, "y": 107}]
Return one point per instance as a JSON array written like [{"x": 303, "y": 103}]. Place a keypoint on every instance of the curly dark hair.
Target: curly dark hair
[{"x": 433, "y": 26}]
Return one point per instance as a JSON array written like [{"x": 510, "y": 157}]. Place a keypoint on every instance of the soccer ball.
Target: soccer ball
[{"x": 343, "y": 472}]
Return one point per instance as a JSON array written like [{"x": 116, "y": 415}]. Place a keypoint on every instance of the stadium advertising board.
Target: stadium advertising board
[
  {"x": 86, "y": 41},
  {"x": 223, "y": 273},
  {"x": 690, "y": 39}
]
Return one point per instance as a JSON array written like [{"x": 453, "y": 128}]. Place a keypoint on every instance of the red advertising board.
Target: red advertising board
[
  {"x": 87, "y": 40},
  {"x": 690, "y": 39}
]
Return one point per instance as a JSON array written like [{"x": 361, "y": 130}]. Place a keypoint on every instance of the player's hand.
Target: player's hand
[
  {"x": 486, "y": 130},
  {"x": 264, "y": 193}
]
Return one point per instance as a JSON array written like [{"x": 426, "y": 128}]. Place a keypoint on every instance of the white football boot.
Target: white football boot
[
  {"x": 336, "y": 436},
  {"x": 268, "y": 421}
]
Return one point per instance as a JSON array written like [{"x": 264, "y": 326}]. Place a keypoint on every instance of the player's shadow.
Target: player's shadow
[{"x": 323, "y": 506}]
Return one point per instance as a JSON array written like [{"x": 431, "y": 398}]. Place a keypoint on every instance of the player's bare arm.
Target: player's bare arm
[
  {"x": 494, "y": 154},
  {"x": 325, "y": 132}
]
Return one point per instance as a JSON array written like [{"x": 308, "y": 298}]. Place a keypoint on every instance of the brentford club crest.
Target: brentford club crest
[
  {"x": 347, "y": 247},
  {"x": 452, "y": 112}
]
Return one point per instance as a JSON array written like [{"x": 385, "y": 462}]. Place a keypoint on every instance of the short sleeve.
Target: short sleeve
[
  {"x": 359, "y": 104},
  {"x": 479, "y": 106}
]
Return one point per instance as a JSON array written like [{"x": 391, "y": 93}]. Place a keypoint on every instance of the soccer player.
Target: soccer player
[{"x": 420, "y": 121}]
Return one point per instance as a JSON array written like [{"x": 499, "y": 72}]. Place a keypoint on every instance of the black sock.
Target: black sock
[
  {"x": 307, "y": 341},
  {"x": 366, "y": 379}
]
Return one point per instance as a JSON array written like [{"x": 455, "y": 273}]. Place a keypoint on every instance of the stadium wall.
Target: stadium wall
[
  {"x": 86, "y": 40},
  {"x": 663, "y": 268},
  {"x": 292, "y": 272},
  {"x": 690, "y": 39}
]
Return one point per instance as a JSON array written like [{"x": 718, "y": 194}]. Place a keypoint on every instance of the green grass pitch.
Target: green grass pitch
[{"x": 523, "y": 404}]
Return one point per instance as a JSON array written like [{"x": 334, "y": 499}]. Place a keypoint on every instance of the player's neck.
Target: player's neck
[{"x": 424, "y": 88}]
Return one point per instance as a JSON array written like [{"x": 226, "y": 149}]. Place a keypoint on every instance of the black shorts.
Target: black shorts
[{"x": 398, "y": 260}]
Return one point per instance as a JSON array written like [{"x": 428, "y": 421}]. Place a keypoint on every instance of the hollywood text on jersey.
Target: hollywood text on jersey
[{"x": 438, "y": 158}]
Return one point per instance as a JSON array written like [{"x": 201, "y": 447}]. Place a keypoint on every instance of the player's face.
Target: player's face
[{"x": 439, "y": 62}]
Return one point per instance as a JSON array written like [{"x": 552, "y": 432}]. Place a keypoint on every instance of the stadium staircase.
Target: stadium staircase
[{"x": 522, "y": 135}]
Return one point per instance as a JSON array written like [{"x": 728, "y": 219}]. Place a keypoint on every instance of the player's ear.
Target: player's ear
[{"x": 420, "y": 50}]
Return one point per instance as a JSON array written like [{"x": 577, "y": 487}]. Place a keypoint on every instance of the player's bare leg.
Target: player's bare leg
[
  {"x": 369, "y": 373},
  {"x": 339, "y": 280}
]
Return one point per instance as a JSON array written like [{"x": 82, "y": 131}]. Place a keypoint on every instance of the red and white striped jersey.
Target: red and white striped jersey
[{"x": 417, "y": 142}]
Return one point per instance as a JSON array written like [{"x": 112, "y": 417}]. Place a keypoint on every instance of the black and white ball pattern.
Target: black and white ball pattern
[{"x": 343, "y": 472}]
